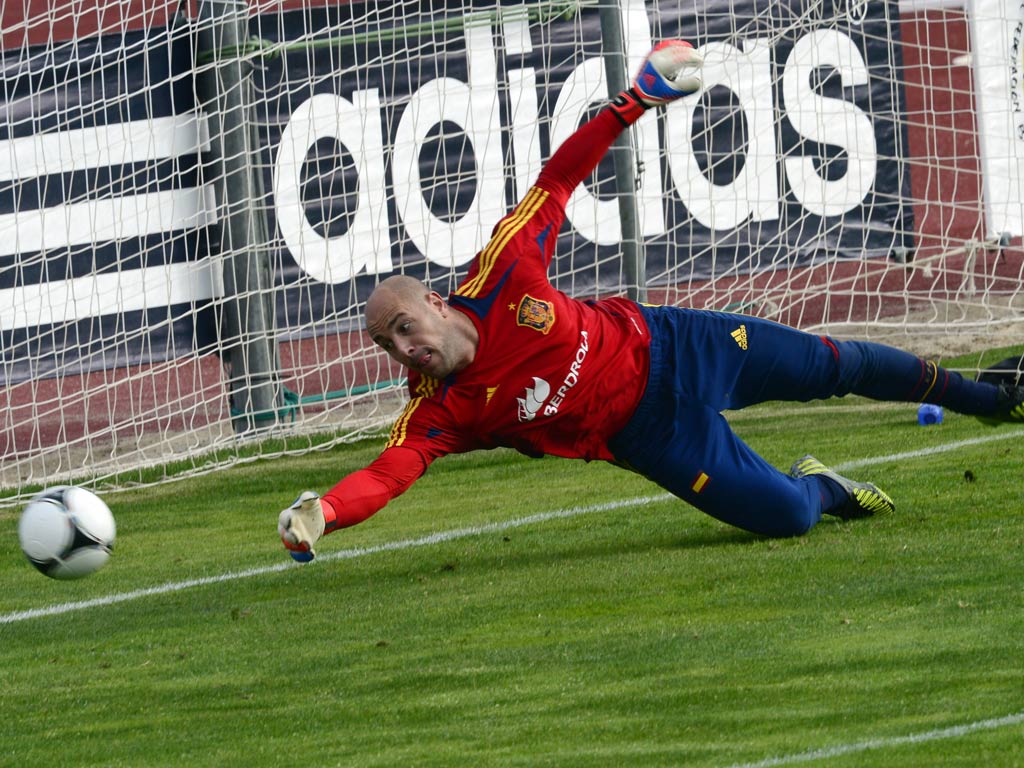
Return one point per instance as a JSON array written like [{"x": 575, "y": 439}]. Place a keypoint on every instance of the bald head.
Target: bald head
[
  {"x": 397, "y": 287},
  {"x": 418, "y": 329}
]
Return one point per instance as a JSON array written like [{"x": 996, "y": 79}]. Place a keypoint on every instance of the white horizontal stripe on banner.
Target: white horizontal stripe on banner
[
  {"x": 137, "y": 141},
  {"x": 100, "y": 221},
  {"x": 64, "y": 301}
]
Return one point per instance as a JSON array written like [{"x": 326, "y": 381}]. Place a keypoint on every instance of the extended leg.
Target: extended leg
[
  {"x": 747, "y": 360},
  {"x": 702, "y": 362},
  {"x": 702, "y": 461}
]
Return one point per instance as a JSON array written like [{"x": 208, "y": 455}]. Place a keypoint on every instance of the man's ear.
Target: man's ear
[{"x": 437, "y": 301}]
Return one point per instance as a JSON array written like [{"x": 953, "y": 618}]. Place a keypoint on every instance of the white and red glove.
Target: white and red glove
[
  {"x": 301, "y": 526},
  {"x": 671, "y": 70}
]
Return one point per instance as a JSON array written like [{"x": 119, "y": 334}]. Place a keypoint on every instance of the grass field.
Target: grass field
[{"x": 513, "y": 612}]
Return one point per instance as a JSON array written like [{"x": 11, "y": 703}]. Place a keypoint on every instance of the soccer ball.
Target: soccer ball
[{"x": 67, "y": 532}]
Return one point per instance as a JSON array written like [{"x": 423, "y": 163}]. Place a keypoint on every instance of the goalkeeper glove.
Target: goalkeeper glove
[
  {"x": 670, "y": 71},
  {"x": 301, "y": 526}
]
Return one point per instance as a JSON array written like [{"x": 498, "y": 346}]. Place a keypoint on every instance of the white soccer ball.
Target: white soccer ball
[{"x": 67, "y": 532}]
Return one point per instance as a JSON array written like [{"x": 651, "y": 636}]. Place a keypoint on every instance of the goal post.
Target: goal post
[
  {"x": 247, "y": 330},
  {"x": 182, "y": 263}
]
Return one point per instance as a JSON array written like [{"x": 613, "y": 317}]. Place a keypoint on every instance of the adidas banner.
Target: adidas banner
[
  {"x": 395, "y": 144},
  {"x": 797, "y": 154}
]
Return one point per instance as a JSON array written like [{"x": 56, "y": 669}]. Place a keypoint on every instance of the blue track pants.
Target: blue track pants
[{"x": 706, "y": 362}]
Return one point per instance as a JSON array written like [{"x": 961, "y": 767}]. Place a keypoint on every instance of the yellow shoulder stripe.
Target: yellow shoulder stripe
[
  {"x": 427, "y": 386},
  {"x": 506, "y": 231},
  {"x": 398, "y": 431}
]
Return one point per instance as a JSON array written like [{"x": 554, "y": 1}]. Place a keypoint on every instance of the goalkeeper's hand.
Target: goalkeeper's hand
[
  {"x": 301, "y": 526},
  {"x": 671, "y": 70}
]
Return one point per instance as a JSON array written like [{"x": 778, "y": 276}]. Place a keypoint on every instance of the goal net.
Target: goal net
[{"x": 197, "y": 197}]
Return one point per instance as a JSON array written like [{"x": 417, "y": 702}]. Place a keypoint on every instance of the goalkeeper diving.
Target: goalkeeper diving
[{"x": 508, "y": 360}]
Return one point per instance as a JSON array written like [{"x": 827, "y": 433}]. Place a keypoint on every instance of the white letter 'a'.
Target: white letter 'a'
[{"x": 366, "y": 243}]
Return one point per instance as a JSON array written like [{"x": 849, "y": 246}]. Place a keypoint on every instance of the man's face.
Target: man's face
[{"x": 413, "y": 330}]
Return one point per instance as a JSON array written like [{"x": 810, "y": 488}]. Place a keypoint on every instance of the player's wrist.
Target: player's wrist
[
  {"x": 330, "y": 514},
  {"x": 628, "y": 106}
]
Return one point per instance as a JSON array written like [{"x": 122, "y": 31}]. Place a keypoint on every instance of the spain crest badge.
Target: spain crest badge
[{"x": 536, "y": 314}]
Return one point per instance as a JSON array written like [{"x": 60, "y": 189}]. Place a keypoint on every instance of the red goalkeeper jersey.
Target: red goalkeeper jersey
[{"x": 551, "y": 375}]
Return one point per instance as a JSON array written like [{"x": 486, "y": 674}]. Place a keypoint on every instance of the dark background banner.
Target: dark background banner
[
  {"x": 108, "y": 215},
  {"x": 686, "y": 249},
  {"x": 396, "y": 148}
]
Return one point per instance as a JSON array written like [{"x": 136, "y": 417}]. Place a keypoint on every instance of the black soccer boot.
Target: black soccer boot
[{"x": 1009, "y": 406}]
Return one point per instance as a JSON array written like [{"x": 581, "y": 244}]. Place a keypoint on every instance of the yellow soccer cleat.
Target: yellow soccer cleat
[{"x": 863, "y": 499}]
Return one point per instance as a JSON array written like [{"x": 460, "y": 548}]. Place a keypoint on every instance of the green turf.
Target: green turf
[{"x": 643, "y": 635}]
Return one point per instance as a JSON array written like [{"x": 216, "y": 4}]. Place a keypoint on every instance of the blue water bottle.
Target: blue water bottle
[{"x": 929, "y": 414}]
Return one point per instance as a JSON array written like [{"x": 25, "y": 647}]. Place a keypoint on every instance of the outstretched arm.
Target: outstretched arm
[
  {"x": 421, "y": 434},
  {"x": 357, "y": 497},
  {"x": 364, "y": 493},
  {"x": 669, "y": 72}
]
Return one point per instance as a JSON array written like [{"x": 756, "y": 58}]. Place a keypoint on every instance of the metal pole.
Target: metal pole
[
  {"x": 623, "y": 155},
  {"x": 247, "y": 325}
]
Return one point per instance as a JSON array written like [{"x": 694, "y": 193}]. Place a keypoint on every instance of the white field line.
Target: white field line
[
  {"x": 863, "y": 746},
  {"x": 438, "y": 538},
  {"x": 930, "y": 451},
  {"x": 345, "y": 554}
]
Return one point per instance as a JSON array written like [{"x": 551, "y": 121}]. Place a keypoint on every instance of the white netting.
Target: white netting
[{"x": 193, "y": 208}]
